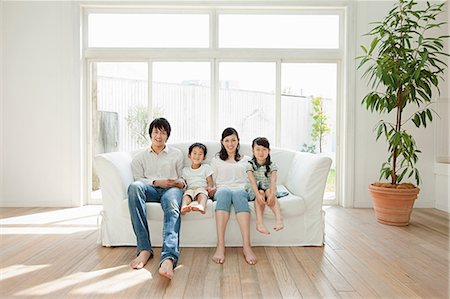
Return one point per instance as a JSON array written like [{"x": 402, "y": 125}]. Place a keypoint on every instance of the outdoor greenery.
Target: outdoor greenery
[
  {"x": 320, "y": 125},
  {"x": 404, "y": 64}
]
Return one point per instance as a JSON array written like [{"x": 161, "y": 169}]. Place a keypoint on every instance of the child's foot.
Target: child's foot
[
  {"x": 249, "y": 256},
  {"x": 166, "y": 268},
  {"x": 199, "y": 208},
  {"x": 185, "y": 209},
  {"x": 219, "y": 255},
  {"x": 142, "y": 259},
  {"x": 278, "y": 225},
  {"x": 262, "y": 229}
]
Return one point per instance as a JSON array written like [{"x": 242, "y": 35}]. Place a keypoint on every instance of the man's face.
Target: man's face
[{"x": 159, "y": 137}]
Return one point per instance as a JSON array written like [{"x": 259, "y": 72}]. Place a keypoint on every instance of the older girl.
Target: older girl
[{"x": 230, "y": 178}]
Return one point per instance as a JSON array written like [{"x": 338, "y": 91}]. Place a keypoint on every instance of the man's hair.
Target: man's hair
[
  {"x": 161, "y": 124},
  {"x": 200, "y": 146}
]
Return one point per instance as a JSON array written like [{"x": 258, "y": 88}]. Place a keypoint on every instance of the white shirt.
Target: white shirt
[
  {"x": 197, "y": 177},
  {"x": 148, "y": 166},
  {"x": 229, "y": 174}
]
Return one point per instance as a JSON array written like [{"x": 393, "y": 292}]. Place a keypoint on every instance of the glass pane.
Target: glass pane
[
  {"x": 279, "y": 31},
  {"x": 308, "y": 108},
  {"x": 181, "y": 93},
  {"x": 148, "y": 30},
  {"x": 247, "y": 99},
  {"x": 120, "y": 106}
]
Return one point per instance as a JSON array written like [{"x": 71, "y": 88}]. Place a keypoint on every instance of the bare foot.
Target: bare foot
[
  {"x": 262, "y": 229},
  {"x": 278, "y": 225},
  {"x": 166, "y": 268},
  {"x": 142, "y": 259},
  {"x": 199, "y": 208},
  {"x": 219, "y": 255},
  {"x": 249, "y": 256},
  {"x": 185, "y": 209}
]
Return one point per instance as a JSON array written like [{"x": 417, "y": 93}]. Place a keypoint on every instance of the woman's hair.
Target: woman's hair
[
  {"x": 161, "y": 124},
  {"x": 223, "y": 152},
  {"x": 200, "y": 146},
  {"x": 261, "y": 141}
]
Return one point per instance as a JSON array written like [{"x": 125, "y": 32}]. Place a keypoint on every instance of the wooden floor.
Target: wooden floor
[{"x": 52, "y": 253}]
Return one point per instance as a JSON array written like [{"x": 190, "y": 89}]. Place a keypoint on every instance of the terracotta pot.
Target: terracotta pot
[{"x": 393, "y": 206}]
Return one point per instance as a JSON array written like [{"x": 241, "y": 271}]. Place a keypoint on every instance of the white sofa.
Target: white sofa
[{"x": 303, "y": 175}]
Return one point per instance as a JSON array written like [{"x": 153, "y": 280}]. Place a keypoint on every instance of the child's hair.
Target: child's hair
[
  {"x": 200, "y": 146},
  {"x": 262, "y": 141},
  {"x": 160, "y": 123},
  {"x": 223, "y": 152}
]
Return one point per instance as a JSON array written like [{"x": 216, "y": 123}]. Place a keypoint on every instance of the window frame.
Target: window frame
[{"x": 215, "y": 56}]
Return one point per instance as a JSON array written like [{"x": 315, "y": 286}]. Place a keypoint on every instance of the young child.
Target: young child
[
  {"x": 262, "y": 186},
  {"x": 199, "y": 180}
]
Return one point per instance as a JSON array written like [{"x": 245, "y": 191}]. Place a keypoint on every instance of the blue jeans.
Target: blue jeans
[
  {"x": 138, "y": 194},
  {"x": 226, "y": 197}
]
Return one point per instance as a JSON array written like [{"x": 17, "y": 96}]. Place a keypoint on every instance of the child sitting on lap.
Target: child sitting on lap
[{"x": 199, "y": 180}]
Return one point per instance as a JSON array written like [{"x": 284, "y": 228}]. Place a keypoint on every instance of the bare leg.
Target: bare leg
[
  {"x": 259, "y": 208},
  {"x": 243, "y": 219},
  {"x": 142, "y": 259},
  {"x": 166, "y": 268},
  {"x": 201, "y": 207},
  {"x": 185, "y": 208},
  {"x": 279, "y": 225},
  {"x": 222, "y": 218}
]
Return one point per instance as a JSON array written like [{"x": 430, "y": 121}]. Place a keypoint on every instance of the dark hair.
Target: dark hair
[
  {"x": 200, "y": 146},
  {"x": 161, "y": 124},
  {"x": 262, "y": 141},
  {"x": 223, "y": 152}
]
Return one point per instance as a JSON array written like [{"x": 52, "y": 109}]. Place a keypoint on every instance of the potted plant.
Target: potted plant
[{"x": 403, "y": 65}]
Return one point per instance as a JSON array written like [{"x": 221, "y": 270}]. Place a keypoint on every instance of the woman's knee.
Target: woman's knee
[
  {"x": 240, "y": 201},
  {"x": 223, "y": 200}
]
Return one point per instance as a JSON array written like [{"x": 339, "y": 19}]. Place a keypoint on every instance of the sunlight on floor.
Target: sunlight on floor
[
  {"x": 60, "y": 221},
  {"x": 70, "y": 280},
  {"x": 109, "y": 285},
  {"x": 16, "y": 270}
]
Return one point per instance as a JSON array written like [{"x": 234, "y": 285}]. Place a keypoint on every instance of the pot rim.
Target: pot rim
[{"x": 415, "y": 190}]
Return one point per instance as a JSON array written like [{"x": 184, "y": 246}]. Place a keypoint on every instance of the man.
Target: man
[{"x": 157, "y": 175}]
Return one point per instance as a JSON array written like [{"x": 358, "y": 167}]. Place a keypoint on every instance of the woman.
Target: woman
[{"x": 230, "y": 178}]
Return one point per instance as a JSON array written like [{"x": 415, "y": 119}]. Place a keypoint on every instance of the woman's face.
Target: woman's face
[{"x": 230, "y": 144}]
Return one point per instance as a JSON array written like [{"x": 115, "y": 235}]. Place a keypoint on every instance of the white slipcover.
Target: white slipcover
[{"x": 303, "y": 175}]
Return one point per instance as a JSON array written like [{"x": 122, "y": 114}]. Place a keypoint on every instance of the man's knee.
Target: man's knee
[{"x": 136, "y": 187}]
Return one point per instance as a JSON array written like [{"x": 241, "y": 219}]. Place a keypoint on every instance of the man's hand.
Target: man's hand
[{"x": 168, "y": 184}]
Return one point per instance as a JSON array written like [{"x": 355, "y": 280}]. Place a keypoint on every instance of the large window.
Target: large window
[{"x": 270, "y": 74}]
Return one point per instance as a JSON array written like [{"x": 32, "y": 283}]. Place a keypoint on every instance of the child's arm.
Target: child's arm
[
  {"x": 210, "y": 186},
  {"x": 254, "y": 186},
  {"x": 273, "y": 189}
]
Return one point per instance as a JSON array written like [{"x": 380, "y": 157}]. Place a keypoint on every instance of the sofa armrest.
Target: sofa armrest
[
  {"x": 114, "y": 172},
  {"x": 307, "y": 178}
]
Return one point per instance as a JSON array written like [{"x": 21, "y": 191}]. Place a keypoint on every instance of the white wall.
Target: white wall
[
  {"x": 41, "y": 144},
  {"x": 41, "y": 104}
]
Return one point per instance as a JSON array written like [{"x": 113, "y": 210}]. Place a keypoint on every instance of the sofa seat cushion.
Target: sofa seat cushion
[{"x": 290, "y": 206}]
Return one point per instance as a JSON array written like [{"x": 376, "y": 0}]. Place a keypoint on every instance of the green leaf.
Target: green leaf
[{"x": 416, "y": 120}]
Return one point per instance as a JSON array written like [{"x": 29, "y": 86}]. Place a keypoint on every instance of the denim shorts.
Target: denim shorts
[{"x": 226, "y": 197}]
